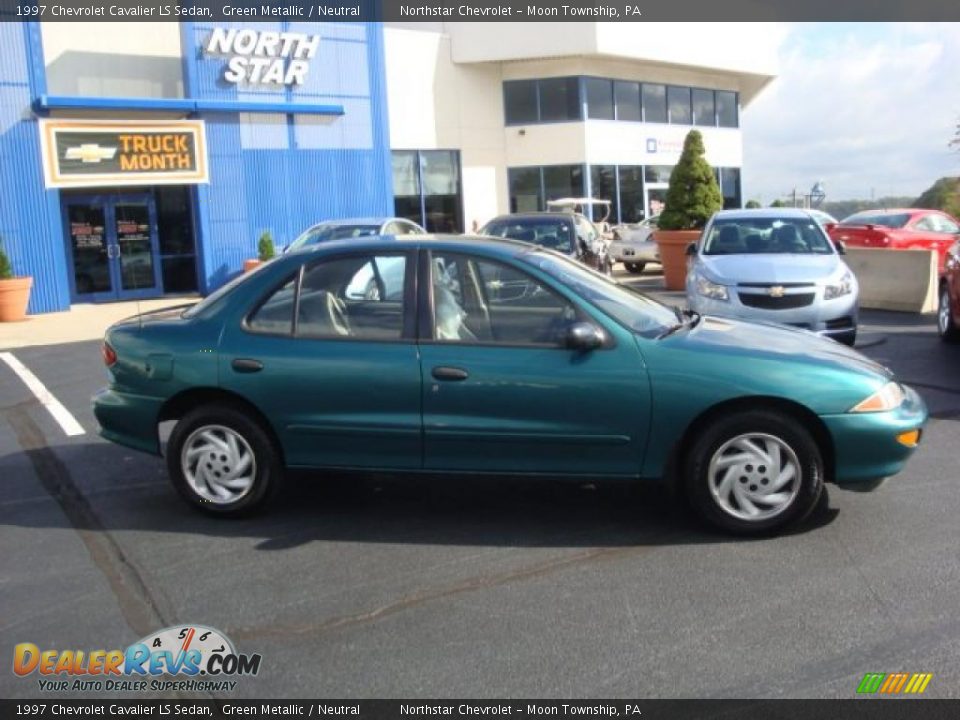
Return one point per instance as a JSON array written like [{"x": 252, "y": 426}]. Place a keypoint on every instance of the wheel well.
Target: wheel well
[
  {"x": 182, "y": 403},
  {"x": 809, "y": 419}
]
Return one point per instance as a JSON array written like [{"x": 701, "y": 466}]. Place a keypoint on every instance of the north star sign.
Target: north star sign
[{"x": 259, "y": 57}]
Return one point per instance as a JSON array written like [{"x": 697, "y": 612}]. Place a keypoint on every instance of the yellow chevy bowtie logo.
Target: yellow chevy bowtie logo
[{"x": 91, "y": 153}]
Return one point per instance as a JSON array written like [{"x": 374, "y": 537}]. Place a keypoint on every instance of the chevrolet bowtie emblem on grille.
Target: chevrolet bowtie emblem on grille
[
  {"x": 776, "y": 291},
  {"x": 90, "y": 153}
]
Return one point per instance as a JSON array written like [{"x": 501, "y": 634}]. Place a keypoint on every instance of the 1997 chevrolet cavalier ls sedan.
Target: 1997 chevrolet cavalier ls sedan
[{"x": 494, "y": 356}]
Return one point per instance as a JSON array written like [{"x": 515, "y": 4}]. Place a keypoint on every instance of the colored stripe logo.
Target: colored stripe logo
[{"x": 894, "y": 683}]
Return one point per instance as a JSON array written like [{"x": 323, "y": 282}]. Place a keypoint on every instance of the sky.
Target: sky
[{"x": 868, "y": 108}]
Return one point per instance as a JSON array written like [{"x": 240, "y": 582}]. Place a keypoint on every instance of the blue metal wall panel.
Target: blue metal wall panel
[
  {"x": 285, "y": 172},
  {"x": 30, "y": 227}
]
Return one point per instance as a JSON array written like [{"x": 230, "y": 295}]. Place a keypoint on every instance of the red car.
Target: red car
[
  {"x": 948, "y": 309},
  {"x": 904, "y": 229}
]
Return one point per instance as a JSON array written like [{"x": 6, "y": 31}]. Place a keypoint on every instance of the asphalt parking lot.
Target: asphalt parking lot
[{"x": 385, "y": 587}]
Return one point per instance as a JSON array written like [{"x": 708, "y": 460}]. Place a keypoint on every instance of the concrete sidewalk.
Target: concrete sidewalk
[{"x": 85, "y": 321}]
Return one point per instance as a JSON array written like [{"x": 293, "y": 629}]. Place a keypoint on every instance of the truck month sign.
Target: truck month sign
[{"x": 89, "y": 153}]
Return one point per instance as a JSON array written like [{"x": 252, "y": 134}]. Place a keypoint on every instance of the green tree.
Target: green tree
[
  {"x": 943, "y": 195},
  {"x": 778, "y": 203},
  {"x": 265, "y": 249},
  {"x": 693, "y": 195},
  {"x": 752, "y": 204}
]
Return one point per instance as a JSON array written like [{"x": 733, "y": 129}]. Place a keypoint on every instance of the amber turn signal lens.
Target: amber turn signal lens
[
  {"x": 109, "y": 355},
  {"x": 910, "y": 438}
]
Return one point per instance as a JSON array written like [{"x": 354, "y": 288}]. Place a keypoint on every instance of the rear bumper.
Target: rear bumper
[
  {"x": 129, "y": 420},
  {"x": 625, "y": 251},
  {"x": 865, "y": 444}
]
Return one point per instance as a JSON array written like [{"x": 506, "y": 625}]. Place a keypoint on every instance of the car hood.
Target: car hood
[
  {"x": 769, "y": 269},
  {"x": 771, "y": 341}
]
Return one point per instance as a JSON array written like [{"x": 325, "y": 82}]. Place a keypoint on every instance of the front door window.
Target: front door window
[
  {"x": 135, "y": 246},
  {"x": 87, "y": 228}
]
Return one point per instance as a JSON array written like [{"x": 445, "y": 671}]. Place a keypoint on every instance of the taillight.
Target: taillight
[{"x": 109, "y": 355}]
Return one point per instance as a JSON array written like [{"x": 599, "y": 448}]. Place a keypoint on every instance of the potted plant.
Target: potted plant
[
  {"x": 692, "y": 197},
  {"x": 265, "y": 251},
  {"x": 14, "y": 292}
]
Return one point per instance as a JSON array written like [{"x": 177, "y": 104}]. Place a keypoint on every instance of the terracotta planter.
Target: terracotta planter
[
  {"x": 253, "y": 264},
  {"x": 14, "y": 296},
  {"x": 673, "y": 255}
]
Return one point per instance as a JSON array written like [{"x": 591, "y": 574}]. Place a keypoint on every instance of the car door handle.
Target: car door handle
[
  {"x": 246, "y": 365},
  {"x": 449, "y": 373}
]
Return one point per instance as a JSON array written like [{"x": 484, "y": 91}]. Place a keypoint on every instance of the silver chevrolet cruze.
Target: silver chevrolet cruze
[{"x": 775, "y": 265}]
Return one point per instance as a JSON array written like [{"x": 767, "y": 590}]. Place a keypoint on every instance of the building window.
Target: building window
[
  {"x": 178, "y": 264},
  {"x": 654, "y": 103},
  {"x": 520, "y": 102},
  {"x": 658, "y": 173},
  {"x": 727, "y": 115},
  {"x": 603, "y": 186},
  {"x": 559, "y": 99},
  {"x": 678, "y": 105},
  {"x": 599, "y": 94},
  {"x": 703, "y": 110},
  {"x": 626, "y": 98},
  {"x": 526, "y": 193},
  {"x": 427, "y": 188},
  {"x": 631, "y": 194},
  {"x": 532, "y": 187},
  {"x": 730, "y": 187}
]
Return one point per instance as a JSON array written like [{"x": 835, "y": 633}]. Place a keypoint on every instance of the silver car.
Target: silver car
[
  {"x": 633, "y": 245},
  {"x": 775, "y": 265}
]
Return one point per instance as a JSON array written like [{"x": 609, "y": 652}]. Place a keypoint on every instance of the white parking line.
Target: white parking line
[{"x": 56, "y": 409}]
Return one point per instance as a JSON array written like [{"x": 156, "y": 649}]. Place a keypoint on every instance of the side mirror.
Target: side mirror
[
  {"x": 584, "y": 336},
  {"x": 691, "y": 249},
  {"x": 841, "y": 248}
]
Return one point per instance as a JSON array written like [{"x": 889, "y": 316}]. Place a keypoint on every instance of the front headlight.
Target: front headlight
[
  {"x": 838, "y": 289},
  {"x": 711, "y": 289},
  {"x": 889, "y": 397}
]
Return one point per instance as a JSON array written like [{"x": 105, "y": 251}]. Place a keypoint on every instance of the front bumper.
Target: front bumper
[
  {"x": 832, "y": 318},
  {"x": 866, "y": 448}
]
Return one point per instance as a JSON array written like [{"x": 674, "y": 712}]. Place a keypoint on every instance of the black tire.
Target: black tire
[
  {"x": 946, "y": 321},
  {"x": 848, "y": 338},
  {"x": 268, "y": 475},
  {"x": 767, "y": 424},
  {"x": 635, "y": 268}
]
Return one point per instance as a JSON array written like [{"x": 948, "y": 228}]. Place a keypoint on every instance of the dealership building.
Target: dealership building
[{"x": 146, "y": 159}]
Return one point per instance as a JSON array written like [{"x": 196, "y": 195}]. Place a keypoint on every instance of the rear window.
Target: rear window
[
  {"x": 553, "y": 233},
  {"x": 890, "y": 220}
]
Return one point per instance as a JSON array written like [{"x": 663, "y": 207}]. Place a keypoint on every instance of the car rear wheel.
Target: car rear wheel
[
  {"x": 754, "y": 473},
  {"x": 946, "y": 322},
  {"x": 223, "y": 462},
  {"x": 634, "y": 267}
]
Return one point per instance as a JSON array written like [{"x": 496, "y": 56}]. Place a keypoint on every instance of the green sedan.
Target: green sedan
[{"x": 466, "y": 355}]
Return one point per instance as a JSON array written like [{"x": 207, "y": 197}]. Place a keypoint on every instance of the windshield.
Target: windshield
[
  {"x": 637, "y": 312},
  {"x": 766, "y": 236},
  {"x": 328, "y": 232},
  {"x": 553, "y": 233},
  {"x": 890, "y": 220}
]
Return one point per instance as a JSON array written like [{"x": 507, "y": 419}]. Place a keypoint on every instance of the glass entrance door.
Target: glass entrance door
[
  {"x": 655, "y": 195},
  {"x": 113, "y": 246}
]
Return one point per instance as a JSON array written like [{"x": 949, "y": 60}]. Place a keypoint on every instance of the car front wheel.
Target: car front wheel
[
  {"x": 754, "y": 473},
  {"x": 946, "y": 322},
  {"x": 223, "y": 462}
]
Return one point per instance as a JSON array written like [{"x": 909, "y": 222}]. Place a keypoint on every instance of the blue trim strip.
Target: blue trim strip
[{"x": 45, "y": 103}]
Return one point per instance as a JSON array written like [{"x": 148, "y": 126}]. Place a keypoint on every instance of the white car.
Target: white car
[{"x": 633, "y": 245}]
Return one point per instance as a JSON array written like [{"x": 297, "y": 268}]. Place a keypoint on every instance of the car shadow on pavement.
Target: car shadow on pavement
[{"x": 312, "y": 507}]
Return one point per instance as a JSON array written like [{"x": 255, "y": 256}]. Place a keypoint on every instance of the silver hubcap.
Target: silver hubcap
[
  {"x": 944, "y": 314},
  {"x": 218, "y": 464},
  {"x": 754, "y": 476}
]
